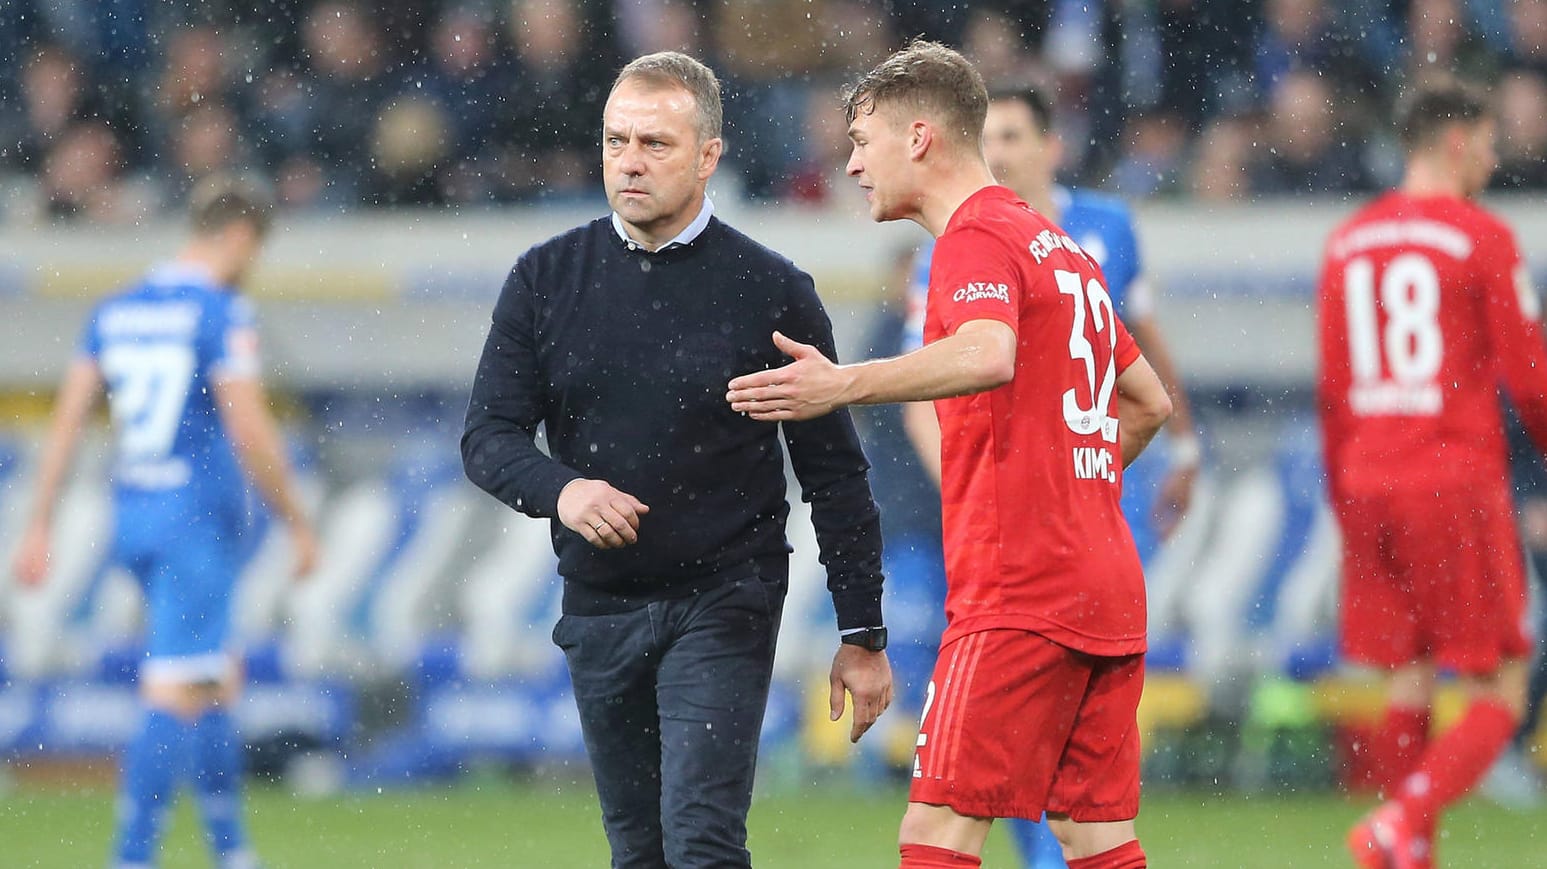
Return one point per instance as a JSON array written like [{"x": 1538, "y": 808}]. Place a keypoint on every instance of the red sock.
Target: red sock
[
  {"x": 1456, "y": 761},
  {"x": 1404, "y": 733},
  {"x": 1125, "y": 856},
  {"x": 930, "y": 857}
]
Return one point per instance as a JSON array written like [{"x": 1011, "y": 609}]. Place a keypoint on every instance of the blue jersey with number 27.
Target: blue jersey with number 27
[{"x": 161, "y": 346}]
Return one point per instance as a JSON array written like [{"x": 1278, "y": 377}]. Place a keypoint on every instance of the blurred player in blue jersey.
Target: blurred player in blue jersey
[
  {"x": 177, "y": 357},
  {"x": 1024, "y": 153}
]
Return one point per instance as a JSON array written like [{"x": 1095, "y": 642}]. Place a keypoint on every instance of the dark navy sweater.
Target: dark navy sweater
[{"x": 624, "y": 356}]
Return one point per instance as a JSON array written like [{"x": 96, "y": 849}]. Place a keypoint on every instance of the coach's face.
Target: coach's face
[
  {"x": 880, "y": 161},
  {"x": 654, "y": 166}
]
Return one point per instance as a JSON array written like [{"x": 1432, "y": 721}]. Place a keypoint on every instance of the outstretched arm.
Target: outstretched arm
[
  {"x": 978, "y": 357},
  {"x": 78, "y": 393}
]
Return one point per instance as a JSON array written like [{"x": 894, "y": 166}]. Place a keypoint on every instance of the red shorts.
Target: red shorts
[
  {"x": 1015, "y": 725},
  {"x": 1433, "y": 578}
]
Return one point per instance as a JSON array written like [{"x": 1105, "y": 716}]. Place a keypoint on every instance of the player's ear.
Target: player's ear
[{"x": 921, "y": 135}]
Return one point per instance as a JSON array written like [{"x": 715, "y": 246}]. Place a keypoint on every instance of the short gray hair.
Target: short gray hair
[{"x": 675, "y": 69}]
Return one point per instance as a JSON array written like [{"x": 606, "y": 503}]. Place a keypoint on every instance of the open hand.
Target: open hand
[{"x": 809, "y": 387}]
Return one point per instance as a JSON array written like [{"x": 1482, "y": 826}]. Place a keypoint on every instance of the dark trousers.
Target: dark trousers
[{"x": 671, "y": 700}]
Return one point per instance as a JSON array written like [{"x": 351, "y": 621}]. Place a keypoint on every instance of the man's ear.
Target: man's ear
[
  {"x": 921, "y": 137},
  {"x": 709, "y": 157}
]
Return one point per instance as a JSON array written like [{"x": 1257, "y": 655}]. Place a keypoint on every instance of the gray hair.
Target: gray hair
[{"x": 675, "y": 69}]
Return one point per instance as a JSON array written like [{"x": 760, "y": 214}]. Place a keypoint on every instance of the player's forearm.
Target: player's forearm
[
  {"x": 266, "y": 466},
  {"x": 259, "y": 447},
  {"x": 1142, "y": 408},
  {"x": 1155, "y": 349},
  {"x": 979, "y": 357},
  {"x": 76, "y": 397}
]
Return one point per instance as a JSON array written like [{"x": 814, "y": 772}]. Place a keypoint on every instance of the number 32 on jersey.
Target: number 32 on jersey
[{"x": 1093, "y": 304}]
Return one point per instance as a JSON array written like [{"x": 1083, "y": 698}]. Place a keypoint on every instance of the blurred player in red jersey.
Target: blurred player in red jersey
[
  {"x": 1043, "y": 399},
  {"x": 1425, "y": 309}
]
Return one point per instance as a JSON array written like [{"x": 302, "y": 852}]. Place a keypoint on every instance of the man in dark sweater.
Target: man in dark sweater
[{"x": 618, "y": 337}]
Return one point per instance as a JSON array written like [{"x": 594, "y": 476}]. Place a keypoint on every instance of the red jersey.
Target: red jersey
[
  {"x": 1425, "y": 309},
  {"x": 1031, "y": 471}
]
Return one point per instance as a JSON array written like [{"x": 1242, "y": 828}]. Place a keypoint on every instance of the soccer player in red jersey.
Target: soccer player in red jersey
[
  {"x": 1043, "y": 399},
  {"x": 1425, "y": 309}
]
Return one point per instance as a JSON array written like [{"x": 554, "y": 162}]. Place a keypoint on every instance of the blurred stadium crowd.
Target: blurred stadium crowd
[{"x": 110, "y": 111}]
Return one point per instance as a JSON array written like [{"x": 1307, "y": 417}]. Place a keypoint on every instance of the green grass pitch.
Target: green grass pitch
[{"x": 491, "y": 821}]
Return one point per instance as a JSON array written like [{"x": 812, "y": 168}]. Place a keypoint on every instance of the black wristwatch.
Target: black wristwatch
[{"x": 873, "y": 639}]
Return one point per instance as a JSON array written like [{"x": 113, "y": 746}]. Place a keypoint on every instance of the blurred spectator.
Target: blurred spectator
[
  {"x": 53, "y": 98},
  {"x": 1300, "y": 35},
  {"x": 281, "y": 116},
  {"x": 1142, "y": 86},
  {"x": 409, "y": 149},
  {"x": 1522, "y": 132},
  {"x": 194, "y": 72},
  {"x": 648, "y": 26},
  {"x": 1152, "y": 163},
  {"x": 1200, "y": 41},
  {"x": 1441, "y": 39},
  {"x": 80, "y": 179},
  {"x": 343, "y": 93},
  {"x": 205, "y": 141},
  {"x": 1527, "y": 33},
  {"x": 765, "y": 84},
  {"x": 561, "y": 76},
  {"x": 997, "y": 45},
  {"x": 1219, "y": 168},
  {"x": 819, "y": 176},
  {"x": 468, "y": 81},
  {"x": 1304, "y": 150}
]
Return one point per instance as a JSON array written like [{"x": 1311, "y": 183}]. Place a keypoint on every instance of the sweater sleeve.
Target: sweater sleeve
[
  {"x": 831, "y": 467},
  {"x": 499, "y": 449}
]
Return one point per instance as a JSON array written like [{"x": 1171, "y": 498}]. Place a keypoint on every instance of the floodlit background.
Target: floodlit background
[{"x": 409, "y": 687}]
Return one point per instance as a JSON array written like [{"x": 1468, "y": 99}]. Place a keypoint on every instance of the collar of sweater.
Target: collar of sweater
[{"x": 686, "y": 237}]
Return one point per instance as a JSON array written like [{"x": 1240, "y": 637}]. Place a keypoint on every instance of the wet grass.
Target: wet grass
[{"x": 493, "y": 821}]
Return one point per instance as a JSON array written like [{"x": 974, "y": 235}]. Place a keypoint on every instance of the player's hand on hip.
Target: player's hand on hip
[
  {"x": 32, "y": 556},
  {"x": 606, "y": 517},
  {"x": 303, "y": 543},
  {"x": 809, "y": 387},
  {"x": 867, "y": 677}
]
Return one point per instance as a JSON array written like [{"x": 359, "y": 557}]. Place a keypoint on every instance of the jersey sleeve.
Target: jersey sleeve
[
  {"x": 1123, "y": 269},
  {"x": 1515, "y": 330},
  {"x": 1126, "y": 350},
  {"x": 90, "y": 344},
  {"x": 232, "y": 341},
  {"x": 971, "y": 278}
]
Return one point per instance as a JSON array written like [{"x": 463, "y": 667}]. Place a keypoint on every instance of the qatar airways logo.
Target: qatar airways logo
[{"x": 977, "y": 291}]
